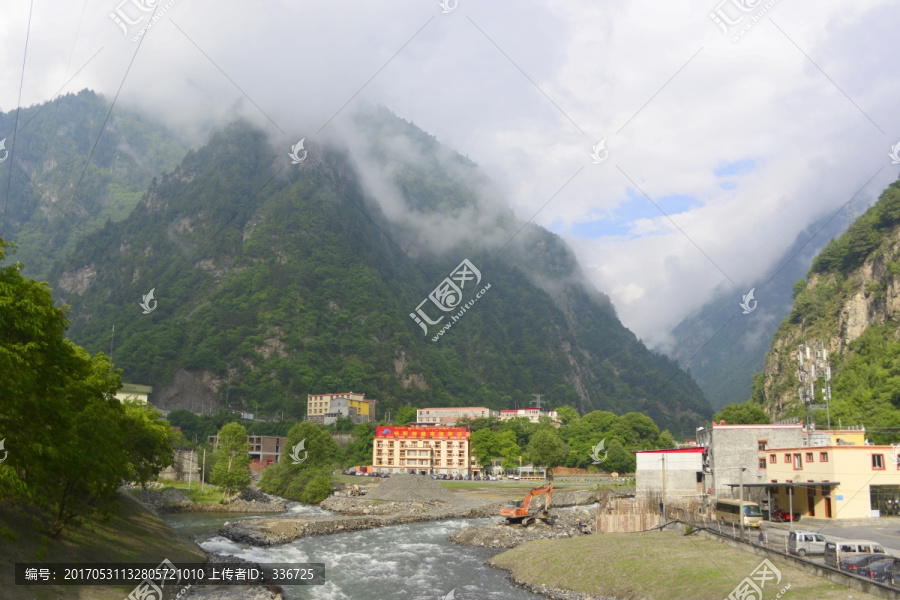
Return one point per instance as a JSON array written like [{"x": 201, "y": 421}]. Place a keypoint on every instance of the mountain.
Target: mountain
[
  {"x": 273, "y": 280},
  {"x": 721, "y": 346},
  {"x": 850, "y": 304},
  {"x": 53, "y": 198}
]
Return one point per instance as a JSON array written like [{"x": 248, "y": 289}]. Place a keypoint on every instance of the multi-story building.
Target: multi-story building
[
  {"x": 449, "y": 416},
  {"x": 679, "y": 471},
  {"x": 132, "y": 392},
  {"x": 264, "y": 449},
  {"x": 730, "y": 448},
  {"x": 855, "y": 436},
  {"x": 351, "y": 405},
  {"x": 834, "y": 481},
  {"x": 422, "y": 450},
  {"x": 532, "y": 414}
]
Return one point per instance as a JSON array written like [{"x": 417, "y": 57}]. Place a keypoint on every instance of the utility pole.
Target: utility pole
[
  {"x": 190, "y": 469},
  {"x": 741, "y": 513},
  {"x": 111, "y": 339},
  {"x": 664, "y": 484},
  {"x": 202, "y": 471}
]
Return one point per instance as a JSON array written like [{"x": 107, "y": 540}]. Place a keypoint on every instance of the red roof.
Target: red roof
[
  {"x": 390, "y": 432},
  {"x": 669, "y": 451}
]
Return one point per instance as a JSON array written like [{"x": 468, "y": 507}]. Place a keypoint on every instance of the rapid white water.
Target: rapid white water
[{"x": 406, "y": 562}]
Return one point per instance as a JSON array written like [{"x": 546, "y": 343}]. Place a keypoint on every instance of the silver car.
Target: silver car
[{"x": 804, "y": 543}]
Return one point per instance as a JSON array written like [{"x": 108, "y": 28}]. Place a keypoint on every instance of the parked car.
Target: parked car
[
  {"x": 515, "y": 478},
  {"x": 837, "y": 553},
  {"x": 803, "y": 543},
  {"x": 879, "y": 570},
  {"x": 781, "y": 516},
  {"x": 856, "y": 562}
]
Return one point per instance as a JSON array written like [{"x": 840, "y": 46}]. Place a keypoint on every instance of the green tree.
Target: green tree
[
  {"x": 618, "y": 460},
  {"x": 748, "y": 413},
  {"x": 149, "y": 441},
  {"x": 308, "y": 480},
  {"x": 405, "y": 415},
  {"x": 232, "y": 460},
  {"x": 567, "y": 414},
  {"x": 71, "y": 443},
  {"x": 546, "y": 449}
]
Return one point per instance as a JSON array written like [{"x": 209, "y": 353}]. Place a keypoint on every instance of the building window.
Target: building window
[
  {"x": 773, "y": 458},
  {"x": 798, "y": 462},
  {"x": 823, "y": 457},
  {"x": 787, "y": 459},
  {"x": 809, "y": 457},
  {"x": 762, "y": 445},
  {"x": 878, "y": 462},
  {"x": 762, "y": 463}
]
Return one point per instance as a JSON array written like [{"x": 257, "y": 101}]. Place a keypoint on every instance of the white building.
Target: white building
[
  {"x": 532, "y": 414},
  {"x": 132, "y": 392},
  {"x": 447, "y": 417},
  {"x": 682, "y": 469}
]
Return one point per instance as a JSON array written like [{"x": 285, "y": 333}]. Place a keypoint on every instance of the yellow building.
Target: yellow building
[
  {"x": 423, "y": 450},
  {"x": 835, "y": 481},
  {"x": 324, "y": 409}
]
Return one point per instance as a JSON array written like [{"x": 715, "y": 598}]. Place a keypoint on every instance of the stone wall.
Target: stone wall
[{"x": 185, "y": 462}]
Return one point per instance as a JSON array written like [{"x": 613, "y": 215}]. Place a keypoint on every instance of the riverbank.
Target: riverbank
[
  {"x": 135, "y": 534},
  {"x": 174, "y": 500},
  {"x": 658, "y": 564},
  {"x": 402, "y": 499}
]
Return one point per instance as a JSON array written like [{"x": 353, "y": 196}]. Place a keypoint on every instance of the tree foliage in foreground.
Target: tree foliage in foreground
[
  {"x": 308, "y": 481},
  {"x": 231, "y": 470},
  {"x": 70, "y": 442}
]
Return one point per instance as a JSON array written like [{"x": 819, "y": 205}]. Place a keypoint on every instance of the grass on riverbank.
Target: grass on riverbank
[
  {"x": 134, "y": 535},
  {"x": 210, "y": 494},
  {"x": 654, "y": 565}
]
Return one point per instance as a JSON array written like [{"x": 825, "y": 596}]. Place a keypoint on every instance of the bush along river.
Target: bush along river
[{"x": 411, "y": 561}]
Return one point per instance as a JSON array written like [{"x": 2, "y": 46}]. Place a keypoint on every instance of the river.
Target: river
[{"x": 414, "y": 561}]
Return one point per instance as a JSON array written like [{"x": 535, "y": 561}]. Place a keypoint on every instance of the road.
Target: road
[{"x": 887, "y": 533}]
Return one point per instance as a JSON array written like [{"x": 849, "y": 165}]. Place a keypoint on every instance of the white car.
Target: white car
[
  {"x": 515, "y": 477},
  {"x": 493, "y": 478}
]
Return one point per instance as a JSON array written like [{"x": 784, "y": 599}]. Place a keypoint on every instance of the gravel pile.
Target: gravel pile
[
  {"x": 411, "y": 488},
  {"x": 501, "y": 535}
]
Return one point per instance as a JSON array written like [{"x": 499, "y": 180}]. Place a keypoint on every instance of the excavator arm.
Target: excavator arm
[{"x": 520, "y": 512}]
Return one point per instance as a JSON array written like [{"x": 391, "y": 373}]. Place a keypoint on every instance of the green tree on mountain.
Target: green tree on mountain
[{"x": 748, "y": 413}]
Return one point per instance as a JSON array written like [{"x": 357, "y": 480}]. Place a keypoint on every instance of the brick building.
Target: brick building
[
  {"x": 728, "y": 448},
  {"x": 264, "y": 449}
]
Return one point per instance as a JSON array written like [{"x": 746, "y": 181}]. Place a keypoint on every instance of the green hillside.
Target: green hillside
[
  {"x": 275, "y": 280},
  {"x": 849, "y": 303},
  {"x": 54, "y": 200}
]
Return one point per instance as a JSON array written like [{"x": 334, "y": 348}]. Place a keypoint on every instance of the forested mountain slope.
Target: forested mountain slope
[
  {"x": 276, "y": 280},
  {"x": 54, "y": 199},
  {"x": 849, "y": 303},
  {"x": 723, "y": 348}
]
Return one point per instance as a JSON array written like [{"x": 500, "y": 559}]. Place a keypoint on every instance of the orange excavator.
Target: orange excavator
[{"x": 517, "y": 513}]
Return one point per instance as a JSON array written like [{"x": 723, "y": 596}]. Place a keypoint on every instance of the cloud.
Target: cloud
[{"x": 740, "y": 144}]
